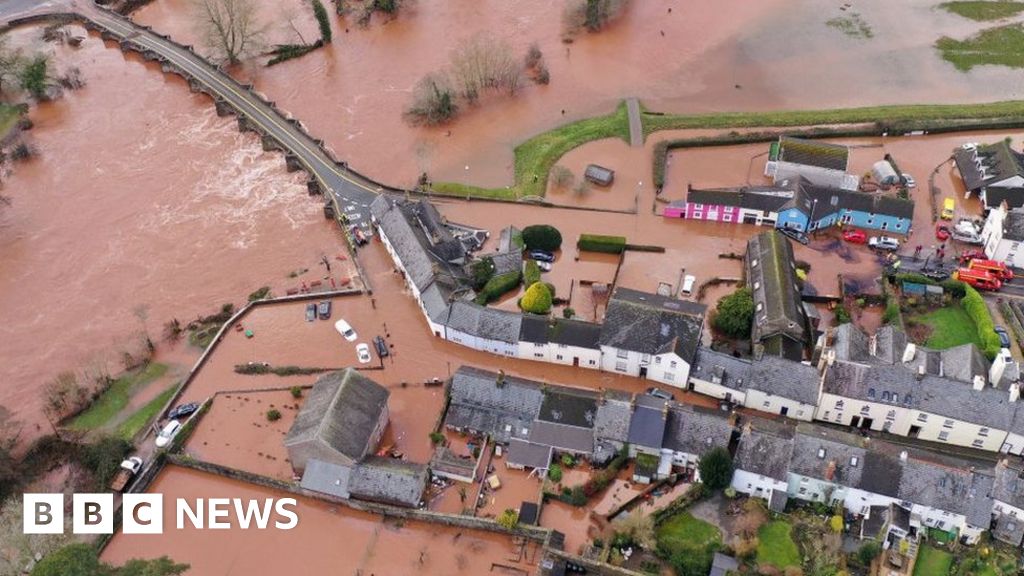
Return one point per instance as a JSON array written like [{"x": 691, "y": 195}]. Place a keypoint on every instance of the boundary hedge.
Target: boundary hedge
[
  {"x": 601, "y": 243},
  {"x": 497, "y": 286}
]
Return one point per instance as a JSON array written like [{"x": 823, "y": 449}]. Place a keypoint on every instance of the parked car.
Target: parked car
[
  {"x": 855, "y": 236},
  {"x": 544, "y": 266},
  {"x": 909, "y": 180},
  {"x": 168, "y": 433},
  {"x": 363, "y": 351},
  {"x": 659, "y": 393},
  {"x": 310, "y": 312},
  {"x": 688, "y": 281},
  {"x": 129, "y": 468},
  {"x": 795, "y": 235},
  {"x": 1004, "y": 337},
  {"x": 381, "y": 346},
  {"x": 183, "y": 410},
  {"x": 942, "y": 232},
  {"x": 884, "y": 243},
  {"x": 967, "y": 255},
  {"x": 345, "y": 330},
  {"x": 542, "y": 255},
  {"x": 323, "y": 309}
]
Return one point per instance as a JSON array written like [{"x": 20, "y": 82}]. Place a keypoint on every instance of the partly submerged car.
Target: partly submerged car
[
  {"x": 345, "y": 330},
  {"x": 855, "y": 236},
  {"x": 363, "y": 351}
]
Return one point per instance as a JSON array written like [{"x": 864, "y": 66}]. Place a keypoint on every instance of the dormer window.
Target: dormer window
[
  {"x": 753, "y": 263},
  {"x": 757, "y": 285},
  {"x": 854, "y": 461},
  {"x": 871, "y": 393},
  {"x": 821, "y": 453}
]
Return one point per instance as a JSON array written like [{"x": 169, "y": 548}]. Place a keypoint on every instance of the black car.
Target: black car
[
  {"x": 324, "y": 309},
  {"x": 310, "y": 312},
  {"x": 795, "y": 235},
  {"x": 1004, "y": 338},
  {"x": 182, "y": 411},
  {"x": 542, "y": 255},
  {"x": 381, "y": 346}
]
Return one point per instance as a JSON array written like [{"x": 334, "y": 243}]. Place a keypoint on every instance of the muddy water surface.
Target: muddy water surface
[{"x": 141, "y": 204}]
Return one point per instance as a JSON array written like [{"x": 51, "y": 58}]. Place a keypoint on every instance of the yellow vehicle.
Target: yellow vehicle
[{"x": 948, "y": 205}]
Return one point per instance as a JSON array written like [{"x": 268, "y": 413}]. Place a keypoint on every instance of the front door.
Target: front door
[
  {"x": 784, "y": 411},
  {"x": 643, "y": 371}
]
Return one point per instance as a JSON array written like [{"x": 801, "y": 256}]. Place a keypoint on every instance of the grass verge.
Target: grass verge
[
  {"x": 933, "y": 562},
  {"x": 114, "y": 400},
  {"x": 1002, "y": 46},
  {"x": 685, "y": 533},
  {"x": 9, "y": 116},
  {"x": 984, "y": 10},
  {"x": 776, "y": 546},
  {"x": 143, "y": 416}
]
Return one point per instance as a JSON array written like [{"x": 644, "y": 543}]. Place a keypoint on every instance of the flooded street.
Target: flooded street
[
  {"x": 142, "y": 206},
  {"x": 329, "y": 539}
]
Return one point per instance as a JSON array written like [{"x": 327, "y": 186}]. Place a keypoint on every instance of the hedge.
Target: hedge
[
  {"x": 531, "y": 273},
  {"x": 542, "y": 237},
  {"x": 954, "y": 288},
  {"x": 497, "y": 286},
  {"x": 975, "y": 307},
  {"x": 600, "y": 243}
]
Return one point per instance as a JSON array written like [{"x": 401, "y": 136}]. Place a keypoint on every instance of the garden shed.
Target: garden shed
[{"x": 599, "y": 175}]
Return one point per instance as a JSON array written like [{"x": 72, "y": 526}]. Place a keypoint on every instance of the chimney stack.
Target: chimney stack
[
  {"x": 920, "y": 372},
  {"x": 995, "y": 373},
  {"x": 873, "y": 345},
  {"x": 903, "y": 456},
  {"x": 909, "y": 352},
  {"x": 1014, "y": 392},
  {"x": 979, "y": 382}
]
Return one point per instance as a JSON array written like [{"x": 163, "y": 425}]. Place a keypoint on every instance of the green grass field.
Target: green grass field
[
  {"x": 535, "y": 157},
  {"x": 951, "y": 326},
  {"x": 983, "y": 10},
  {"x": 683, "y": 532},
  {"x": 775, "y": 545},
  {"x": 933, "y": 562},
  {"x": 114, "y": 400},
  {"x": 141, "y": 417},
  {"x": 1002, "y": 46}
]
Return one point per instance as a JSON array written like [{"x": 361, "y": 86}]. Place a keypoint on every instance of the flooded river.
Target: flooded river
[{"x": 142, "y": 206}]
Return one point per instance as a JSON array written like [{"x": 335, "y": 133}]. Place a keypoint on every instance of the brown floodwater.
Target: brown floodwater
[
  {"x": 141, "y": 200},
  {"x": 329, "y": 539}
]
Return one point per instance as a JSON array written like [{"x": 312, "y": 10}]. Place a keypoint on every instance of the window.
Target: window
[
  {"x": 697, "y": 206},
  {"x": 759, "y": 306},
  {"x": 622, "y": 354},
  {"x": 907, "y": 399},
  {"x": 885, "y": 225},
  {"x": 620, "y": 366},
  {"x": 895, "y": 398},
  {"x": 657, "y": 359},
  {"x": 558, "y": 357},
  {"x": 670, "y": 376},
  {"x": 526, "y": 431},
  {"x": 854, "y": 461},
  {"x": 757, "y": 285},
  {"x": 983, "y": 432},
  {"x": 865, "y": 409},
  {"x": 592, "y": 362},
  {"x": 922, "y": 417},
  {"x": 978, "y": 443},
  {"x": 826, "y": 415},
  {"x": 753, "y": 263},
  {"x": 943, "y": 435},
  {"x": 672, "y": 364},
  {"x": 803, "y": 490},
  {"x": 891, "y": 415},
  {"x": 899, "y": 225},
  {"x": 947, "y": 424},
  {"x": 839, "y": 404},
  {"x": 767, "y": 404},
  {"x": 885, "y": 396},
  {"x": 727, "y": 218},
  {"x": 538, "y": 354},
  {"x": 871, "y": 393}
]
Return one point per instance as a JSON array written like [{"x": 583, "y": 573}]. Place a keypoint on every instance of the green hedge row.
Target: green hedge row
[
  {"x": 954, "y": 288},
  {"x": 531, "y": 273},
  {"x": 600, "y": 243},
  {"x": 975, "y": 307},
  {"x": 497, "y": 286}
]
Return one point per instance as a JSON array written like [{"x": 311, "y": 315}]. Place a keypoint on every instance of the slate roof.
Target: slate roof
[
  {"x": 528, "y": 454},
  {"x": 720, "y": 368},
  {"x": 569, "y": 407},
  {"x": 764, "y": 198},
  {"x": 648, "y": 422},
  {"x": 505, "y": 262},
  {"x": 721, "y": 565},
  {"x": 696, "y": 430},
  {"x": 342, "y": 412},
  {"x": 771, "y": 275},
  {"x": 562, "y": 436},
  {"x": 948, "y": 488},
  {"x": 963, "y": 363},
  {"x": 830, "y": 455},
  {"x": 444, "y": 460},
  {"x": 813, "y": 153},
  {"x": 1013, "y": 225},
  {"x": 484, "y": 322},
  {"x": 825, "y": 201},
  {"x": 505, "y": 239},
  {"x": 765, "y": 448},
  {"x": 652, "y": 324},
  {"x": 1009, "y": 485},
  {"x": 479, "y": 403},
  {"x": 1008, "y": 529},
  {"x": 389, "y": 480},
  {"x": 998, "y": 162},
  {"x": 785, "y": 378},
  {"x": 612, "y": 418},
  {"x": 850, "y": 343},
  {"x": 929, "y": 393},
  {"x": 326, "y": 478},
  {"x": 542, "y": 330}
]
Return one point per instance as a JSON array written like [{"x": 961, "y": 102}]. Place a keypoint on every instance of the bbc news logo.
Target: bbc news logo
[{"x": 144, "y": 513}]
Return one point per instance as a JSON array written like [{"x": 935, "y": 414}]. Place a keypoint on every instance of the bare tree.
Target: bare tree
[
  {"x": 229, "y": 27},
  {"x": 484, "y": 62},
  {"x": 10, "y": 61}
]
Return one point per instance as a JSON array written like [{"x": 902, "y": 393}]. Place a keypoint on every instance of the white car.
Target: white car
[
  {"x": 345, "y": 330},
  {"x": 544, "y": 266},
  {"x": 884, "y": 243},
  {"x": 688, "y": 283},
  {"x": 911, "y": 183},
  {"x": 363, "y": 351},
  {"x": 168, "y": 433}
]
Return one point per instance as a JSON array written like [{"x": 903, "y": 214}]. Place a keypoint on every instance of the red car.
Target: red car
[
  {"x": 969, "y": 255},
  {"x": 942, "y": 232},
  {"x": 855, "y": 236}
]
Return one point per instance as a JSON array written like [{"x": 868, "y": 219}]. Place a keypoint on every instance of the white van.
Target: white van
[{"x": 688, "y": 281}]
